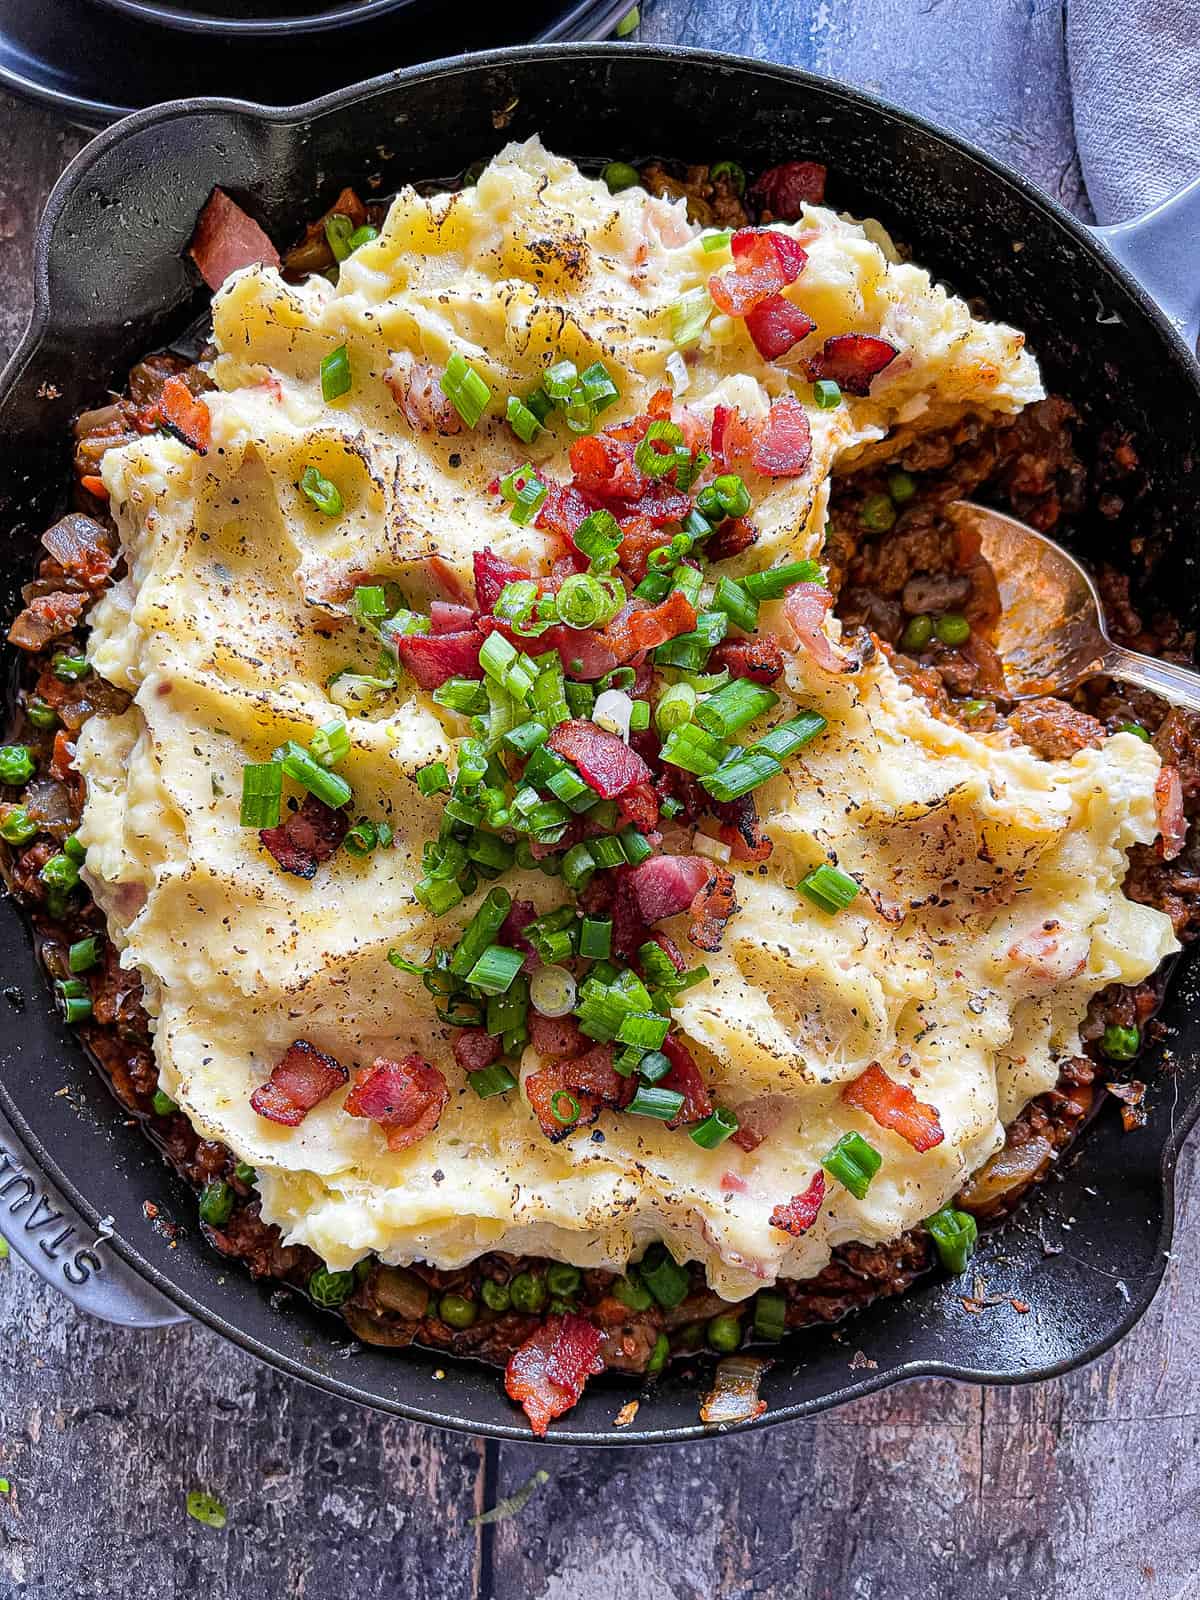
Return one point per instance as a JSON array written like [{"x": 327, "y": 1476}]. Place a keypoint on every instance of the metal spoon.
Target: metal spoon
[{"x": 1051, "y": 633}]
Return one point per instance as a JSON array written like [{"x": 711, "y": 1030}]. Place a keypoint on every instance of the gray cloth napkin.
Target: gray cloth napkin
[{"x": 1135, "y": 82}]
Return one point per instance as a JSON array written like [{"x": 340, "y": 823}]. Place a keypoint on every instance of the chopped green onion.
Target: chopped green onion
[
  {"x": 206, "y": 1508},
  {"x": 464, "y": 695},
  {"x": 647, "y": 458},
  {"x": 599, "y": 390},
  {"x": 738, "y": 776},
  {"x": 560, "y": 379},
  {"x": 877, "y": 513},
  {"x": 598, "y": 535},
  {"x": 522, "y": 420},
  {"x": 216, "y": 1203},
  {"x": 827, "y": 394},
  {"x": 495, "y": 969},
  {"x": 954, "y": 1233},
  {"x": 676, "y": 707},
  {"x": 330, "y": 744},
  {"x": 785, "y": 738},
  {"x": 689, "y": 317},
  {"x": 17, "y": 764},
  {"x": 664, "y": 1105},
  {"x": 161, "y": 1104},
  {"x": 18, "y": 826},
  {"x": 578, "y": 865},
  {"x": 853, "y": 1162},
  {"x": 564, "y": 1107},
  {"x": 654, "y": 1066},
  {"x": 1120, "y": 1044},
  {"x": 595, "y": 938},
  {"x": 69, "y": 669},
  {"x": 493, "y": 1080},
  {"x": 691, "y": 748},
  {"x": 525, "y": 491},
  {"x": 666, "y": 1280},
  {"x": 731, "y": 598},
  {"x": 730, "y": 170},
  {"x": 776, "y": 581},
  {"x": 480, "y": 932},
  {"x": 770, "y": 1314},
  {"x": 647, "y": 1032},
  {"x": 828, "y": 888},
  {"x": 726, "y": 496},
  {"x": 712, "y": 242},
  {"x": 918, "y": 633},
  {"x": 953, "y": 629},
  {"x": 506, "y": 1013},
  {"x": 85, "y": 954},
  {"x": 362, "y": 838},
  {"x": 335, "y": 374},
  {"x": 715, "y": 1129},
  {"x": 582, "y": 603},
  {"x": 659, "y": 1356},
  {"x": 324, "y": 495},
  {"x": 327, "y": 786},
  {"x": 356, "y": 691},
  {"x": 636, "y": 847},
  {"x": 731, "y": 708},
  {"x": 437, "y": 895},
  {"x": 362, "y": 236},
  {"x": 724, "y": 1334},
  {"x": 464, "y": 388},
  {"x": 552, "y": 989},
  {"x": 76, "y": 1002},
  {"x": 400, "y": 961},
  {"x": 639, "y": 716},
  {"x": 339, "y": 230},
  {"x": 433, "y": 779},
  {"x": 620, "y": 175}
]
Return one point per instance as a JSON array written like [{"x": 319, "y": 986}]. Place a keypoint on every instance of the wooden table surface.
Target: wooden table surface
[{"x": 1078, "y": 1488}]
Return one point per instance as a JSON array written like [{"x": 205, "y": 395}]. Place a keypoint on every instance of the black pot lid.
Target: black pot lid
[{"x": 97, "y": 64}]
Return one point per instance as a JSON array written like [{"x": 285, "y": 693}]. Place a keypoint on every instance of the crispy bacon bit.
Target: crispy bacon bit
[
  {"x": 83, "y": 548},
  {"x": 93, "y": 485},
  {"x": 741, "y": 829},
  {"x": 759, "y": 658},
  {"x": 894, "y": 1105},
  {"x": 474, "y": 1049},
  {"x": 747, "y": 1138},
  {"x": 547, "y": 1374},
  {"x": 434, "y": 657},
  {"x": 605, "y": 762},
  {"x": 449, "y": 580},
  {"x": 512, "y": 930},
  {"x": 764, "y": 263},
  {"x": 776, "y": 325},
  {"x": 593, "y": 1074},
  {"x": 852, "y": 360},
  {"x": 731, "y": 538},
  {"x": 712, "y": 909},
  {"x": 492, "y": 573},
  {"x": 563, "y": 509},
  {"x": 637, "y": 630},
  {"x": 1168, "y": 803},
  {"x": 301, "y": 1080},
  {"x": 638, "y": 806},
  {"x": 47, "y": 617},
  {"x": 552, "y": 1101},
  {"x": 805, "y": 610},
  {"x": 664, "y": 886},
  {"x": 226, "y": 239},
  {"x": 187, "y": 417},
  {"x": 604, "y": 466},
  {"x": 417, "y": 391},
  {"x": 783, "y": 448},
  {"x": 785, "y": 190},
  {"x": 639, "y": 537},
  {"x": 555, "y": 1038},
  {"x": 584, "y": 655},
  {"x": 800, "y": 1212},
  {"x": 446, "y": 617},
  {"x": 684, "y": 1077},
  {"x": 1131, "y": 1095},
  {"x": 307, "y": 837},
  {"x": 789, "y": 253},
  {"x": 405, "y": 1097},
  {"x": 62, "y": 761}
]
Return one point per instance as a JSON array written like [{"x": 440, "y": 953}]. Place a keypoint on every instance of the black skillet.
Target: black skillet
[{"x": 1087, "y": 1253}]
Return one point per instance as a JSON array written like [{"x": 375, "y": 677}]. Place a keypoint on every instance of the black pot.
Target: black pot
[{"x": 111, "y": 283}]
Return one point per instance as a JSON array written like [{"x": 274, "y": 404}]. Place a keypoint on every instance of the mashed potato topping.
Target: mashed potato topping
[{"x": 992, "y": 908}]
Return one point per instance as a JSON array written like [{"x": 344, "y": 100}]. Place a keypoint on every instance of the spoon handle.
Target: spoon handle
[{"x": 1179, "y": 685}]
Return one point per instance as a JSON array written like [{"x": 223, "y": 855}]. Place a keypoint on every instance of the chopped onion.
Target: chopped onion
[
  {"x": 552, "y": 991},
  {"x": 677, "y": 372},
  {"x": 714, "y": 849},
  {"x": 612, "y": 711},
  {"x": 734, "y": 1395}
]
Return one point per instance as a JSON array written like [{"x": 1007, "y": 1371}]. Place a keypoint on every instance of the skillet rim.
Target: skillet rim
[{"x": 1101, "y": 263}]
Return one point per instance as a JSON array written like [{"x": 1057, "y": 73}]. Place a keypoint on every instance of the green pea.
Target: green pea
[
  {"x": 162, "y": 1105},
  {"x": 330, "y": 1289},
  {"x": 457, "y": 1311},
  {"x": 18, "y": 826},
  {"x": 724, "y": 1334},
  {"x": 877, "y": 513},
  {"x": 688, "y": 1338},
  {"x": 216, "y": 1203},
  {"x": 917, "y": 633},
  {"x": 953, "y": 628},
  {"x": 730, "y": 170},
  {"x": 658, "y": 1356},
  {"x": 901, "y": 486},
  {"x": 632, "y": 1293},
  {"x": 559, "y": 1307},
  {"x": 1136, "y": 729},
  {"x": 41, "y": 714},
  {"x": 528, "y": 1292},
  {"x": 16, "y": 763},
  {"x": 620, "y": 175},
  {"x": 496, "y": 1296},
  {"x": 1121, "y": 1044},
  {"x": 562, "y": 1278}
]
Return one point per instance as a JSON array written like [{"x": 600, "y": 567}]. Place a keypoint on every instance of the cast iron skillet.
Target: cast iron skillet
[{"x": 111, "y": 284}]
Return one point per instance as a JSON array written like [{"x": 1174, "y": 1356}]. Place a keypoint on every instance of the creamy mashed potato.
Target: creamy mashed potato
[{"x": 994, "y": 908}]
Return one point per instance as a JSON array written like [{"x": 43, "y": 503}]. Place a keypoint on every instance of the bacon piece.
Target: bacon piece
[
  {"x": 434, "y": 657},
  {"x": 226, "y": 239},
  {"x": 185, "y": 416},
  {"x": 307, "y": 837},
  {"x": 512, "y": 930},
  {"x": 786, "y": 189},
  {"x": 1168, "y": 803},
  {"x": 712, "y": 909},
  {"x": 544, "y": 1090},
  {"x": 789, "y": 253},
  {"x": 759, "y": 658},
  {"x": 741, "y": 829},
  {"x": 584, "y": 655},
  {"x": 473, "y": 1048},
  {"x": 417, "y": 390},
  {"x": 555, "y": 1038},
  {"x": 783, "y": 448},
  {"x": 776, "y": 325},
  {"x": 446, "y": 617},
  {"x": 83, "y": 548},
  {"x": 893, "y": 1105},
  {"x": 852, "y": 360},
  {"x": 635, "y": 630},
  {"x": 800, "y": 1212},
  {"x": 91, "y": 484},
  {"x": 448, "y": 578},
  {"x": 605, "y": 762},
  {"x": 630, "y": 929},
  {"x": 684, "y": 1077},
  {"x": 764, "y": 263},
  {"x": 661, "y": 503},
  {"x": 47, "y": 617},
  {"x": 563, "y": 509},
  {"x": 546, "y": 1375},
  {"x": 639, "y": 537},
  {"x": 805, "y": 609},
  {"x": 492, "y": 573},
  {"x": 666, "y": 885},
  {"x": 62, "y": 761},
  {"x": 405, "y": 1097},
  {"x": 733, "y": 536},
  {"x": 301, "y": 1080},
  {"x": 593, "y": 1074},
  {"x": 604, "y": 466},
  {"x": 747, "y": 1138},
  {"x": 669, "y": 948},
  {"x": 638, "y": 807}
]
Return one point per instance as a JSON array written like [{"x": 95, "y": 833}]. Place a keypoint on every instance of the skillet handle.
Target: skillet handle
[
  {"x": 52, "y": 1238},
  {"x": 1162, "y": 250}
]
